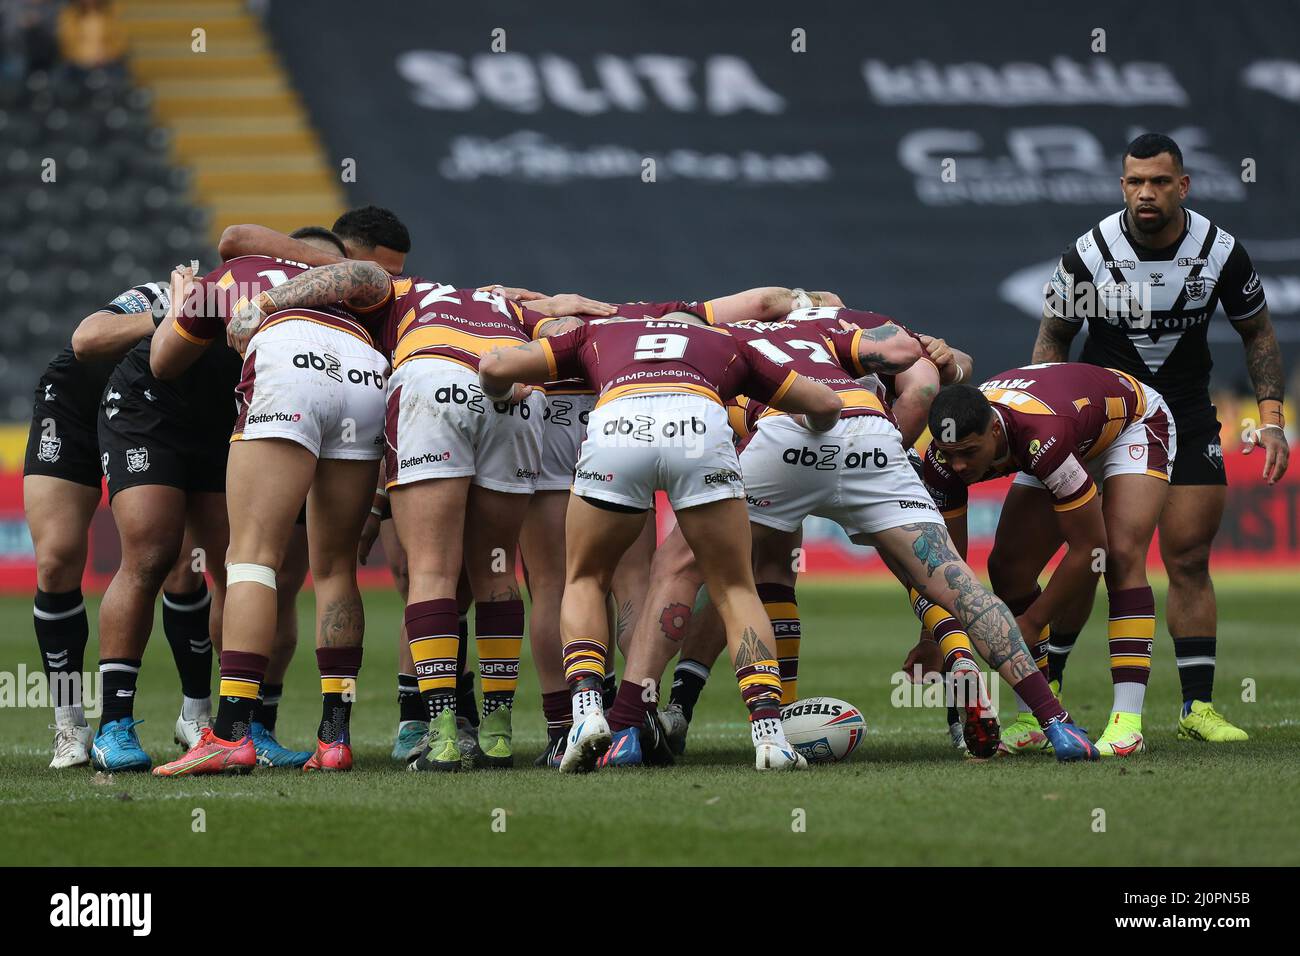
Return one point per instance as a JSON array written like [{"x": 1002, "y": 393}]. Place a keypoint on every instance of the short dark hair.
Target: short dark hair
[
  {"x": 965, "y": 406},
  {"x": 319, "y": 232},
  {"x": 1153, "y": 144},
  {"x": 371, "y": 226}
]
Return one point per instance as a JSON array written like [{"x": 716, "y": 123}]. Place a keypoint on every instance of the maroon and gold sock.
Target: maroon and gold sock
[
  {"x": 339, "y": 667},
  {"x": 499, "y": 632},
  {"x": 630, "y": 706},
  {"x": 1131, "y": 630},
  {"x": 783, "y": 612},
  {"x": 760, "y": 688},
  {"x": 1038, "y": 697},
  {"x": 241, "y": 680},
  {"x": 431, "y": 632},
  {"x": 558, "y": 713}
]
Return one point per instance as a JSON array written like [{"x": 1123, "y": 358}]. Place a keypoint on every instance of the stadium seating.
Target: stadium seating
[{"x": 90, "y": 204}]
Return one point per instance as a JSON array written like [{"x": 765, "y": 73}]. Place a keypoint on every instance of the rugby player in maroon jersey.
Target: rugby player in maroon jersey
[
  {"x": 311, "y": 414},
  {"x": 569, "y": 404},
  {"x": 907, "y": 395},
  {"x": 1066, "y": 428},
  {"x": 858, "y": 475},
  {"x": 372, "y": 234},
  {"x": 660, "y": 424}
]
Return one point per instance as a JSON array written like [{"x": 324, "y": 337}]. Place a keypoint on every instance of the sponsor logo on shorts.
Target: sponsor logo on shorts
[
  {"x": 824, "y": 458},
  {"x": 913, "y": 505},
  {"x": 428, "y": 458},
  {"x": 626, "y": 431},
  {"x": 265, "y": 418},
  {"x": 594, "y": 475},
  {"x": 103, "y": 463},
  {"x": 1136, "y": 451},
  {"x": 471, "y": 398},
  {"x": 333, "y": 368},
  {"x": 721, "y": 477},
  {"x": 558, "y": 412},
  {"x": 137, "y": 460},
  {"x": 526, "y": 473},
  {"x": 1214, "y": 453},
  {"x": 758, "y": 502},
  {"x": 49, "y": 450}
]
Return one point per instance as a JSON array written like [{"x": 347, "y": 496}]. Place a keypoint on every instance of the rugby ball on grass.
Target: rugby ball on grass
[{"x": 823, "y": 729}]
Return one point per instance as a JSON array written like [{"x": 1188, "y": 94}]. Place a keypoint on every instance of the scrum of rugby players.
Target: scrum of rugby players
[{"x": 463, "y": 413}]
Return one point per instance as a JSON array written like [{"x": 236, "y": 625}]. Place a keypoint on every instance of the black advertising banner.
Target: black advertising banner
[{"x": 930, "y": 161}]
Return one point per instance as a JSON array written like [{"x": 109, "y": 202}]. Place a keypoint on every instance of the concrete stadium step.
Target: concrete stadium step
[
  {"x": 311, "y": 179},
  {"x": 209, "y": 65},
  {"x": 207, "y": 123},
  {"x": 176, "y": 109},
  {"x": 188, "y": 145},
  {"x": 181, "y": 9}
]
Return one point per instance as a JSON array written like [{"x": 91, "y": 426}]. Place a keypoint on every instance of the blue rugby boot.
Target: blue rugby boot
[
  {"x": 270, "y": 752},
  {"x": 117, "y": 748},
  {"x": 1069, "y": 742}
]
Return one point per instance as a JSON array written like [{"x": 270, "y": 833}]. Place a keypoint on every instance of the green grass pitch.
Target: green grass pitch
[{"x": 903, "y": 799}]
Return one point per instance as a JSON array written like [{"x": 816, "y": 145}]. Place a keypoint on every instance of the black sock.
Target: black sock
[
  {"x": 268, "y": 706},
  {"x": 1059, "y": 645},
  {"x": 466, "y": 705},
  {"x": 61, "y": 632},
  {"x": 1196, "y": 667},
  {"x": 409, "y": 704},
  {"x": 185, "y": 622},
  {"x": 118, "y": 675},
  {"x": 609, "y": 691},
  {"x": 689, "y": 678}
]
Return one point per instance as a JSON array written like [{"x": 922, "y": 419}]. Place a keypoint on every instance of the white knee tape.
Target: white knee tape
[{"x": 257, "y": 573}]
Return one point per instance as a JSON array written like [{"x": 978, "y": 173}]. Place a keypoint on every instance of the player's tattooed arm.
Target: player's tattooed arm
[
  {"x": 751, "y": 649},
  {"x": 1264, "y": 364},
  {"x": 362, "y": 284},
  {"x": 1054, "y": 338},
  {"x": 888, "y": 349}
]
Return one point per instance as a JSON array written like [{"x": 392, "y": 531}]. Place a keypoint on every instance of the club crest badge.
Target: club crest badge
[{"x": 137, "y": 460}]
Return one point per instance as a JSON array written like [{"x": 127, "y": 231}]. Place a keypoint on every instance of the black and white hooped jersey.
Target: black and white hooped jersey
[{"x": 1148, "y": 310}]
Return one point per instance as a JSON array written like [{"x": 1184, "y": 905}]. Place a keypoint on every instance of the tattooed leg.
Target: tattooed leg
[
  {"x": 713, "y": 531},
  {"x": 661, "y": 627},
  {"x": 630, "y": 585},
  {"x": 922, "y": 555}
]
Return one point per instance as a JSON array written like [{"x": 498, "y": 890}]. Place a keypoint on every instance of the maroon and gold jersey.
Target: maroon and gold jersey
[
  {"x": 432, "y": 320},
  {"x": 1055, "y": 417},
  {"x": 812, "y": 343},
  {"x": 645, "y": 356},
  {"x": 534, "y": 323},
  {"x": 223, "y": 291}
]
